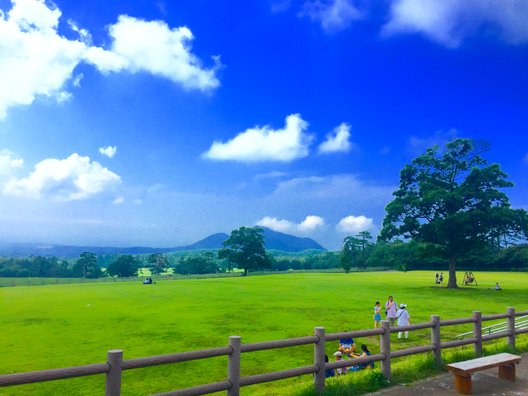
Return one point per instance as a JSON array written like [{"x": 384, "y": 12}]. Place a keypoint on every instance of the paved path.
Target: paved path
[{"x": 484, "y": 383}]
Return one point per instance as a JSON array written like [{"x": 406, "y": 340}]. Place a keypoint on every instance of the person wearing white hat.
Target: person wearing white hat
[
  {"x": 403, "y": 320},
  {"x": 339, "y": 357}
]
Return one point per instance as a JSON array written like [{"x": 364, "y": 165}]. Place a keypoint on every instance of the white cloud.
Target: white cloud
[
  {"x": 333, "y": 14},
  {"x": 264, "y": 144},
  {"x": 276, "y": 224},
  {"x": 355, "y": 224},
  {"x": 73, "y": 178},
  {"x": 8, "y": 163},
  {"x": 309, "y": 224},
  {"x": 108, "y": 151},
  {"x": 337, "y": 141},
  {"x": 37, "y": 61},
  {"x": 449, "y": 22},
  {"x": 154, "y": 47}
]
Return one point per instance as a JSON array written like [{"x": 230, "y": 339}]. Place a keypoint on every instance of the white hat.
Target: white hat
[
  {"x": 338, "y": 353},
  {"x": 402, "y": 305}
]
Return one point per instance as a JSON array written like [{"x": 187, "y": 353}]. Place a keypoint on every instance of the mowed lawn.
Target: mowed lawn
[{"x": 44, "y": 327}]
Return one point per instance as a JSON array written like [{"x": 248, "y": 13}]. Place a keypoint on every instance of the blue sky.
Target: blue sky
[{"x": 159, "y": 123}]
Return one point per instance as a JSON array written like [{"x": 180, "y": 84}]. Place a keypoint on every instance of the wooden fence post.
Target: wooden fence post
[
  {"x": 319, "y": 360},
  {"x": 233, "y": 366},
  {"x": 511, "y": 327},
  {"x": 477, "y": 332},
  {"x": 113, "y": 377},
  {"x": 435, "y": 340},
  {"x": 385, "y": 349}
]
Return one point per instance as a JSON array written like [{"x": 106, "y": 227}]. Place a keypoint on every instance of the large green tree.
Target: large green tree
[
  {"x": 245, "y": 249},
  {"x": 453, "y": 199}
]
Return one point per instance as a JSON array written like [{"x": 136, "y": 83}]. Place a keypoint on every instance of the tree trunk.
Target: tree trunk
[{"x": 452, "y": 283}]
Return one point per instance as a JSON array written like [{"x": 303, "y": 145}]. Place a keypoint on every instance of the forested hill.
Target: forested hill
[{"x": 273, "y": 240}]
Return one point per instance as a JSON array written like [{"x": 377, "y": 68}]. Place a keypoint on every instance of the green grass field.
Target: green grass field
[{"x": 64, "y": 325}]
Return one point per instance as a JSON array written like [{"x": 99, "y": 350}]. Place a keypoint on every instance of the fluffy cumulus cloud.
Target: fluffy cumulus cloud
[
  {"x": 449, "y": 22},
  {"x": 265, "y": 144},
  {"x": 354, "y": 224},
  {"x": 70, "y": 179},
  {"x": 337, "y": 141},
  {"x": 309, "y": 224},
  {"x": 36, "y": 61},
  {"x": 8, "y": 163},
  {"x": 153, "y": 47},
  {"x": 108, "y": 151},
  {"x": 333, "y": 15}
]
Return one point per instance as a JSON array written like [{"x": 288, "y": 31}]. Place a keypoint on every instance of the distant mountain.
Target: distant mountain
[
  {"x": 288, "y": 243},
  {"x": 273, "y": 240},
  {"x": 213, "y": 241}
]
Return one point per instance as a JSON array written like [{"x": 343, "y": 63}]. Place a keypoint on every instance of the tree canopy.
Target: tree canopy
[
  {"x": 124, "y": 267},
  {"x": 86, "y": 266},
  {"x": 453, "y": 199},
  {"x": 355, "y": 251},
  {"x": 245, "y": 249}
]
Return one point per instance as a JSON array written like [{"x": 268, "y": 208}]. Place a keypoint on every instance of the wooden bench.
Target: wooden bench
[{"x": 463, "y": 370}]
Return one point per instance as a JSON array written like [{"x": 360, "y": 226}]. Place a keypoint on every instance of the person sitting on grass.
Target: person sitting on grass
[
  {"x": 364, "y": 353},
  {"x": 339, "y": 357},
  {"x": 347, "y": 346},
  {"x": 328, "y": 372}
]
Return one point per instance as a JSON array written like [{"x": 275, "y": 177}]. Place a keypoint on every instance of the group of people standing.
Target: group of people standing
[{"x": 394, "y": 314}]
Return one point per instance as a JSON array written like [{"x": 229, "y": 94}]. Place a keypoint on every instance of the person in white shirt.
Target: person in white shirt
[{"x": 403, "y": 319}]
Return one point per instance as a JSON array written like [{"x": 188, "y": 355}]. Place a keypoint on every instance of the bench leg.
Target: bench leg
[
  {"x": 463, "y": 384},
  {"x": 507, "y": 372}
]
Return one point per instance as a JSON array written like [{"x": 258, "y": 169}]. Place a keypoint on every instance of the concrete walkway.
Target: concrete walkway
[{"x": 484, "y": 383}]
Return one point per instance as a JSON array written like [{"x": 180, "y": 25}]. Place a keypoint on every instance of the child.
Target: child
[
  {"x": 339, "y": 357},
  {"x": 377, "y": 314}
]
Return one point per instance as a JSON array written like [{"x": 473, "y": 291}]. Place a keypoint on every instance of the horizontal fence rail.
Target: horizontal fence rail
[{"x": 115, "y": 364}]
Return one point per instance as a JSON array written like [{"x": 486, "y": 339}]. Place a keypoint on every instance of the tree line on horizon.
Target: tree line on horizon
[
  {"x": 399, "y": 255},
  {"x": 449, "y": 211}
]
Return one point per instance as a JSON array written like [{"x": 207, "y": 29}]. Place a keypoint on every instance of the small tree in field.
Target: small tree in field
[
  {"x": 355, "y": 251},
  {"x": 452, "y": 199},
  {"x": 86, "y": 266},
  {"x": 124, "y": 267},
  {"x": 157, "y": 263},
  {"x": 245, "y": 249}
]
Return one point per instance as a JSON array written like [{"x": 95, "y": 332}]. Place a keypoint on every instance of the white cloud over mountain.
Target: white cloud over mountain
[
  {"x": 355, "y": 224},
  {"x": 449, "y": 22},
  {"x": 70, "y": 179},
  {"x": 37, "y": 61},
  {"x": 265, "y": 144},
  {"x": 309, "y": 224},
  {"x": 337, "y": 141}
]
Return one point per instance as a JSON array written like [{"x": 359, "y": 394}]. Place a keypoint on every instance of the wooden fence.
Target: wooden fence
[{"x": 115, "y": 363}]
